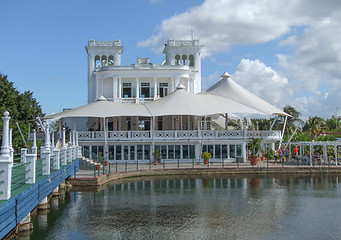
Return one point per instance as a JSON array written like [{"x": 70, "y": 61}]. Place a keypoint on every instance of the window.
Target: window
[
  {"x": 111, "y": 152},
  {"x": 185, "y": 151},
  {"x": 177, "y": 151},
  {"x": 118, "y": 152},
  {"x": 128, "y": 123},
  {"x": 132, "y": 153},
  {"x": 127, "y": 90},
  {"x": 163, "y": 89},
  {"x": 232, "y": 151},
  {"x": 191, "y": 61},
  {"x": 145, "y": 90},
  {"x": 163, "y": 152},
  {"x": 192, "y": 151},
  {"x": 217, "y": 151},
  {"x": 170, "y": 151},
  {"x": 139, "y": 152},
  {"x": 146, "y": 152}
]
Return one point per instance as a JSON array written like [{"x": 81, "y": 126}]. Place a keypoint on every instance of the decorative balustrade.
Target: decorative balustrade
[{"x": 187, "y": 134}]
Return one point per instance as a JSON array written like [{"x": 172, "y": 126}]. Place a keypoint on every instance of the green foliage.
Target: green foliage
[
  {"x": 21, "y": 107},
  {"x": 254, "y": 145},
  {"x": 206, "y": 155},
  {"x": 270, "y": 154},
  {"x": 157, "y": 154}
]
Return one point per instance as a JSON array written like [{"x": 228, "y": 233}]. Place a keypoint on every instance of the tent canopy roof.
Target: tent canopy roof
[
  {"x": 228, "y": 88},
  {"x": 225, "y": 96}
]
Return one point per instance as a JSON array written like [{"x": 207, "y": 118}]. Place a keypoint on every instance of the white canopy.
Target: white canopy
[
  {"x": 224, "y": 97},
  {"x": 181, "y": 102},
  {"x": 228, "y": 88},
  {"x": 103, "y": 108}
]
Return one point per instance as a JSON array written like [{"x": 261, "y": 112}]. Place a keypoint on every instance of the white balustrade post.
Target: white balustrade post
[
  {"x": 34, "y": 147},
  {"x": 23, "y": 153},
  {"x": 46, "y": 155},
  {"x": 79, "y": 149},
  {"x": 74, "y": 149},
  {"x": 63, "y": 150},
  {"x": 52, "y": 141},
  {"x": 5, "y": 161},
  {"x": 69, "y": 154},
  {"x": 11, "y": 150},
  {"x": 56, "y": 159},
  {"x": 30, "y": 168}
]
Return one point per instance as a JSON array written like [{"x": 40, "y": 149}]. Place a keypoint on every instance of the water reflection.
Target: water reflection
[{"x": 206, "y": 208}]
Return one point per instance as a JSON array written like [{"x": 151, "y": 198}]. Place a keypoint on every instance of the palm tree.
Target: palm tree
[
  {"x": 292, "y": 122},
  {"x": 313, "y": 126}
]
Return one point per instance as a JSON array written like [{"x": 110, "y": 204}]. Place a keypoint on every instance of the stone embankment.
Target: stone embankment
[{"x": 86, "y": 178}]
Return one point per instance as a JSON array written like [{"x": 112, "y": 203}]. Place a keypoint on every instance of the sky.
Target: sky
[{"x": 286, "y": 52}]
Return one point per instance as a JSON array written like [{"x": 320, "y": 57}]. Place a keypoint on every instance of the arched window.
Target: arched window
[
  {"x": 104, "y": 60},
  {"x": 111, "y": 60},
  {"x": 184, "y": 58},
  {"x": 191, "y": 60},
  {"x": 97, "y": 61},
  {"x": 177, "y": 60}
]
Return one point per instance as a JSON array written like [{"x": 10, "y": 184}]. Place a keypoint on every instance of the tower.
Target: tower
[
  {"x": 100, "y": 54},
  {"x": 187, "y": 53}
]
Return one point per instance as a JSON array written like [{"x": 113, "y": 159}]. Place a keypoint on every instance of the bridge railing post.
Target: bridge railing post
[
  {"x": 69, "y": 154},
  {"x": 6, "y": 161},
  {"x": 56, "y": 159},
  {"x": 30, "y": 168},
  {"x": 46, "y": 154},
  {"x": 63, "y": 156},
  {"x": 23, "y": 153}
]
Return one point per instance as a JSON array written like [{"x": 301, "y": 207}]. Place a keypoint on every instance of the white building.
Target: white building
[{"x": 131, "y": 138}]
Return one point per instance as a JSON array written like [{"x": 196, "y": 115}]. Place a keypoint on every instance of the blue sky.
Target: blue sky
[{"x": 286, "y": 53}]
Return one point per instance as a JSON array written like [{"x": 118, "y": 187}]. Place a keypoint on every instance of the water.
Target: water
[{"x": 185, "y": 208}]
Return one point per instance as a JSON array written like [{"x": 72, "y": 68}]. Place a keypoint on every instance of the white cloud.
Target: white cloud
[
  {"x": 220, "y": 24},
  {"x": 307, "y": 78},
  {"x": 263, "y": 81}
]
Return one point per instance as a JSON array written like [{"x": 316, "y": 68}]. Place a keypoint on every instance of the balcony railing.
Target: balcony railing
[{"x": 174, "y": 135}]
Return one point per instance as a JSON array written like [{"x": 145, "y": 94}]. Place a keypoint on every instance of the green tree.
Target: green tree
[
  {"x": 313, "y": 126},
  {"x": 21, "y": 107}
]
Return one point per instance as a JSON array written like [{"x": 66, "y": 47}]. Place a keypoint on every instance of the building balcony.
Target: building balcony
[{"x": 194, "y": 135}]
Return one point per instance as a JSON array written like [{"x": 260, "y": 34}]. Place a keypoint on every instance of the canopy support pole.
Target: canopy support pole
[
  {"x": 285, "y": 123},
  {"x": 106, "y": 157},
  {"x": 202, "y": 138},
  {"x": 153, "y": 140}
]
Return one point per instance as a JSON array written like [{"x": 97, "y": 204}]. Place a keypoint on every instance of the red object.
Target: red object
[
  {"x": 155, "y": 162},
  {"x": 205, "y": 161},
  {"x": 262, "y": 158},
  {"x": 254, "y": 160}
]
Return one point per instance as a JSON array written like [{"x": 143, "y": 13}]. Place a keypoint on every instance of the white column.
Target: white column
[
  {"x": 244, "y": 151},
  {"x": 155, "y": 88},
  {"x": 173, "y": 84},
  {"x": 188, "y": 85},
  {"x": 97, "y": 89},
  {"x": 177, "y": 81},
  {"x": 5, "y": 161},
  {"x": 114, "y": 84},
  {"x": 101, "y": 92},
  {"x": 119, "y": 88},
  {"x": 137, "y": 89}
]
